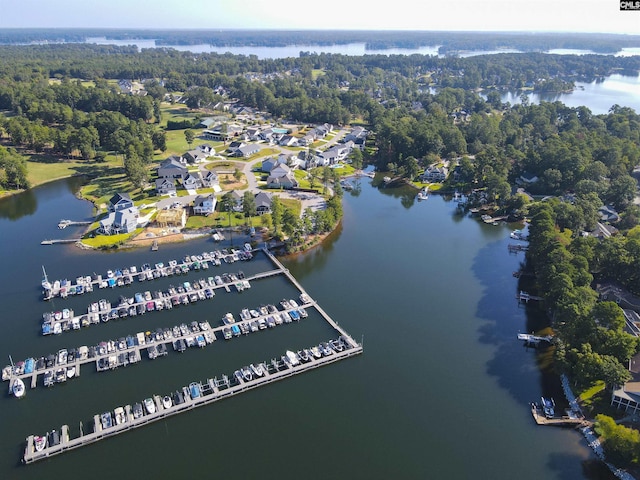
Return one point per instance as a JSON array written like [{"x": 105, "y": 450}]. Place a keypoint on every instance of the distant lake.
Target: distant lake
[
  {"x": 354, "y": 49},
  {"x": 599, "y": 96}
]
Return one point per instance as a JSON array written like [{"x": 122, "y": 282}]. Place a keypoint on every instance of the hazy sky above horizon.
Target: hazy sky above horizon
[{"x": 600, "y": 16}]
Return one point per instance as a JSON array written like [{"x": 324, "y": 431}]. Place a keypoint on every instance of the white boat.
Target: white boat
[
  {"x": 149, "y": 405},
  {"x": 166, "y": 402},
  {"x": 40, "y": 441},
  {"x": 71, "y": 372},
  {"x": 292, "y": 358},
  {"x": 120, "y": 415},
  {"x": 423, "y": 194},
  {"x": 257, "y": 370},
  {"x": 17, "y": 388}
]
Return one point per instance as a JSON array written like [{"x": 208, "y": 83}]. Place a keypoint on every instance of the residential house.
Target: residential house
[
  {"x": 263, "y": 203},
  {"x": 253, "y": 134},
  {"x": 358, "y": 135},
  {"x": 337, "y": 153},
  {"x": 120, "y": 201},
  {"x": 172, "y": 168},
  {"x": 608, "y": 214},
  {"x": 235, "y": 145},
  {"x": 192, "y": 181},
  {"x": 165, "y": 186},
  {"x": 267, "y": 134},
  {"x": 195, "y": 156},
  {"x": 237, "y": 199},
  {"x": 206, "y": 122},
  {"x": 527, "y": 178},
  {"x": 204, "y": 204},
  {"x": 288, "y": 141},
  {"x": 269, "y": 164},
  {"x": 206, "y": 149},
  {"x": 209, "y": 179},
  {"x": 246, "y": 151},
  {"x": 281, "y": 177},
  {"x": 434, "y": 173},
  {"x": 124, "y": 220}
]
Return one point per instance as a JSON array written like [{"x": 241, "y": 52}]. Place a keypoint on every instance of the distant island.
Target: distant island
[{"x": 448, "y": 43}]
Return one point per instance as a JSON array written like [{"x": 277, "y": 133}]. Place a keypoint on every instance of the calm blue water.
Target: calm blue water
[{"x": 441, "y": 391}]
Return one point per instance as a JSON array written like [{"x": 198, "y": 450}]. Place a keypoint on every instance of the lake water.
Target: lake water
[
  {"x": 599, "y": 96},
  {"x": 441, "y": 391}
]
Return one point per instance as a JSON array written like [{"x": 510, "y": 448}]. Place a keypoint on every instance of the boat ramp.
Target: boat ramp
[{"x": 198, "y": 393}]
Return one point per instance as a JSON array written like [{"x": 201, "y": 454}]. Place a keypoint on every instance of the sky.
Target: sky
[{"x": 598, "y": 16}]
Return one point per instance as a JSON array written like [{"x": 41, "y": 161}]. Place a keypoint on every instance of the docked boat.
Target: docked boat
[
  {"x": 106, "y": 420},
  {"x": 548, "y": 407},
  {"x": 40, "y": 442},
  {"x": 304, "y": 356},
  {"x": 149, "y": 405},
  {"x": 316, "y": 351},
  {"x": 291, "y": 358},
  {"x": 119, "y": 415},
  {"x": 137, "y": 410},
  {"x": 247, "y": 374},
  {"x": 71, "y": 372},
  {"x": 257, "y": 369},
  {"x": 17, "y": 388},
  {"x": 423, "y": 194},
  {"x": 228, "y": 318},
  {"x": 194, "y": 390},
  {"x": 48, "y": 378},
  {"x": 166, "y": 402}
]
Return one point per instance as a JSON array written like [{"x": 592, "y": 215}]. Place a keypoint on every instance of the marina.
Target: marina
[
  {"x": 184, "y": 399},
  {"x": 110, "y": 355},
  {"x": 126, "y": 276}
]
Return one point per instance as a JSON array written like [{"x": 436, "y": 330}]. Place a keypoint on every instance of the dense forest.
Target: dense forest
[{"x": 449, "y": 43}]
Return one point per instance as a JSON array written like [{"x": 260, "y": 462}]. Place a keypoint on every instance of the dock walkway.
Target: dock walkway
[
  {"x": 211, "y": 392},
  {"x": 213, "y": 389}
]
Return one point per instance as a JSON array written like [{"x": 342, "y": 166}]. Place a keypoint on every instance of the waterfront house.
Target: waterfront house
[
  {"x": 172, "y": 168},
  {"x": 263, "y": 203},
  {"x": 119, "y": 221},
  {"x": 165, "y": 186},
  {"x": 434, "y": 173},
  {"x": 204, "y": 204},
  {"x": 120, "y": 201}
]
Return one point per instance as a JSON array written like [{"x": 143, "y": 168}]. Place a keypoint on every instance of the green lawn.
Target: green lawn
[{"x": 106, "y": 241}]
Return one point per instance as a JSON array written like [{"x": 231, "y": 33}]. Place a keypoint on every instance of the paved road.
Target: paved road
[{"x": 308, "y": 200}]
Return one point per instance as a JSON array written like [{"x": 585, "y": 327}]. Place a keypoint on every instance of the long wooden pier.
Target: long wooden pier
[
  {"x": 60, "y": 240},
  {"x": 211, "y": 392},
  {"x": 62, "y": 224}
]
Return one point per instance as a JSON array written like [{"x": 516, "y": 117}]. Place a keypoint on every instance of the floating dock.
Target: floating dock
[
  {"x": 211, "y": 391},
  {"x": 565, "y": 421},
  {"x": 126, "y": 276}
]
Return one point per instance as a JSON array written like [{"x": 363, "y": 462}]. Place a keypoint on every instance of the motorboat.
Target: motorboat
[
  {"x": 149, "y": 405},
  {"x": 71, "y": 372},
  {"x": 119, "y": 415},
  {"x": 17, "y": 388},
  {"x": 40, "y": 442},
  {"x": 106, "y": 420},
  {"x": 247, "y": 374},
  {"x": 194, "y": 390},
  {"x": 137, "y": 410},
  {"x": 316, "y": 351},
  {"x": 48, "y": 378},
  {"x": 304, "y": 356},
  {"x": 228, "y": 319},
  {"x": 257, "y": 370},
  {"x": 548, "y": 407},
  {"x": 166, "y": 402},
  {"x": 291, "y": 358}
]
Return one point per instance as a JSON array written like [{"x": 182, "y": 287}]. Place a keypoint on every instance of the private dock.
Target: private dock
[
  {"x": 531, "y": 339},
  {"x": 524, "y": 297},
  {"x": 569, "y": 420},
  {"x": 515, "y": 248},
  {"x": 62, "y": 224},
  {"x": 210, "y": 391},
  {"x": 60, "y": 240}
]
